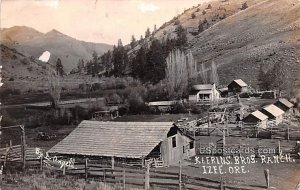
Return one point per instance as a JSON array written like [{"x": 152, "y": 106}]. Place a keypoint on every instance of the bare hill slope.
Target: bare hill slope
[{"x": 265, "y": 33}]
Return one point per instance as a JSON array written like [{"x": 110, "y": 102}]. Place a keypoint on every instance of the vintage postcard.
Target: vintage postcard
[{"x": 150, "y": 94}]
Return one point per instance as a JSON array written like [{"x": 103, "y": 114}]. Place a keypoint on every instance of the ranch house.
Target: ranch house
[
  {"x": 139, "y": 141},
  {"x": 237, "y": 86},
  {"x": 204, "y": 93}
]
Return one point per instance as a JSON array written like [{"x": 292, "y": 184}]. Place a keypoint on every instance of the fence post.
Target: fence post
[
  {"x": 222, "y": 185},
  {"x": 180, "y": 185},
  {"x": 23, "y": 147},
  {"x": 124, "y": 186},
  {"x": 147, "y": 176},
  {"x": 86, "y": 169},
  {"x": 288, "y": 132},
  {"x": 279, "y": 148},
  {"x": 267, "y": 176},
  {"x": 41, "y": 163},
  {"x": 104, "y": 175},
  {"x": 1, "y": 173},
  {"x": 64, "y": 170}
]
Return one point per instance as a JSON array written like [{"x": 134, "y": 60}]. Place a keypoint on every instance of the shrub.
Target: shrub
[
  {"x": 193, "y": 15},
  {"x": 203, "y": 12},
  {"x": 136, "y": 103},
  {"x": 244, "y": 6},
  {"x": 179, "y": 108},
  {"x": 5, "y": 92},
  {"x": 177, "y": 22},
  {"x": 209, "y": 6}
]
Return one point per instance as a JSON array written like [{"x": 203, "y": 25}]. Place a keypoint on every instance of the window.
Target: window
[
  {"x": 173, "y": 142},
  {"x": 191, "y": 144}
]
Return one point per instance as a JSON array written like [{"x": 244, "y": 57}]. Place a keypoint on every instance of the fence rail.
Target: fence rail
[{"x": 137, "y": 176}]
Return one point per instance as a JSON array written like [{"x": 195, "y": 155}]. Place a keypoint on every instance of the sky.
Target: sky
[{"x": 102, "y": 21}]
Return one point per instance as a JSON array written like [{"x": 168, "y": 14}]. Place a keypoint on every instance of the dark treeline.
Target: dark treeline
[{"x": 147, "y": 62}]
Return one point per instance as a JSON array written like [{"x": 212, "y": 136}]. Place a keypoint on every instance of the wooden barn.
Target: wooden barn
[
  {"x": 237, "y": 86},
  {"x": 256, "y": 118},
  {"x": 128, "y": 140},
  {"x": 274, "y": 113},
  {"x": 204, "y": 93},
  {"x": 284, "y": 105}
]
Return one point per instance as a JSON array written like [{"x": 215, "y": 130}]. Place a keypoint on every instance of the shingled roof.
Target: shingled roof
[{"x": 119, "y": 139}]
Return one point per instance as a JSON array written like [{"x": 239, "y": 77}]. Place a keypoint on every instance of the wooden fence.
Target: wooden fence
[{"x": 141, "y": 177}]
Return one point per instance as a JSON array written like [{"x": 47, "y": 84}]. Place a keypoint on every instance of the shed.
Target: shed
[
  {"x": 284, "y": 104},
  {"x": 273, "y": 113},
  {"x": 237, "y": 86},
  {"x": 256, "y": 118},
  {"x": 204, "y": 93},
  {"x": 130, "y": 140},
  {"x": 162, "y": 106}
]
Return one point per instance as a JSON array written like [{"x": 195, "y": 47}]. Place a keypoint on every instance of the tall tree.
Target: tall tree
[
  {"x": 54, "y": 87},
  {"x": 147, "y": 33},
  {"x": 59, "y": 68},
  {"x": 203, "y": 74},
  {"x": 214, "y": 77},
  {"x": 155, "y": 62},
  {"x": 181, "y": 36},
  {"x": 133, "y": 41},
  {"x": 80, "y": 66},
  {"x": 139, "y": 64},
  {"x": 120, "y": 59},
  {"x": 180, "y": 69}
]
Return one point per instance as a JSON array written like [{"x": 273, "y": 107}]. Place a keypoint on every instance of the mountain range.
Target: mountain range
[{"x": 31, "y": 42}]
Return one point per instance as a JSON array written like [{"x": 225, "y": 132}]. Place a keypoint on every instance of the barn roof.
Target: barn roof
[
  {"x": 259, "y": 115},
  {"x": 240, "y": 82},
  {"x": 285, "y": 102},
  {"x": 202, "y": 87},
  {"x": 119, "y": 139},
  {"x": 273, "y": 110}
]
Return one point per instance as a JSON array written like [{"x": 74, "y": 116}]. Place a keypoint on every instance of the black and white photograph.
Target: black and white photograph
[{"x": 150, "y": 94}]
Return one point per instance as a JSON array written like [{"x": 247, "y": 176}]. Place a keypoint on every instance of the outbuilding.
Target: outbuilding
[
  {"x": 138, "y": 141},
  {"x": 237, "y": 86},
  {"x": 256, "y": 118},
  {"x": 274, "y": 113},
  {"x": 284, "y": 105}
]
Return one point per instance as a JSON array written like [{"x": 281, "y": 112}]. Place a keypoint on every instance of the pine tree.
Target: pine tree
[
  {"x": 181, "y": 36},
  {"x": 133, "y": 42},
  {"x": 59, "y": 68},
  {"x": 147, "y": 33},
  {"x": 119, "y": 59},
  {"x": 154, "y": 28}
]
